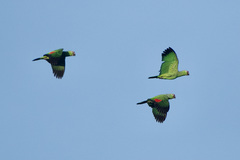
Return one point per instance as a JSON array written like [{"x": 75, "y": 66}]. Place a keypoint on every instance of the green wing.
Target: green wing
[
  {"x": 160, "y": 117},
  {"x": 160, "y": 110},
  {"x": 161, "y": 103},
  {"x": 160, "y": 107},
  {"x": 59, "y": 50},
  {"x": 58, "y": 71},
  {"x": 55, "y": 54},
  {"x": 170, "y": 64},
  {"x": 57, "y": 62}
]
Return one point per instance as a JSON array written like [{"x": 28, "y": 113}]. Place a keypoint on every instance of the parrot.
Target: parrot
[
  {"x": 169, "y": 68},
  {"x": 160, "y": 106},
  {"x": 57, "y": 60}
]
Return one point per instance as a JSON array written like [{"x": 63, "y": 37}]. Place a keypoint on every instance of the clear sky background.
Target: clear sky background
[{"x": 91, "y": 114}]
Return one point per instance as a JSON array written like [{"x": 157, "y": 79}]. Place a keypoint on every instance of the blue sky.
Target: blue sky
[{"x": 91, "y": 113}]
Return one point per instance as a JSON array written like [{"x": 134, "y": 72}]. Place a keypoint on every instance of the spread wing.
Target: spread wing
[
  {"x": 170, "y": 64},
  {"x": 58, "y": 71},
  {"x": 160, "y": 109},
  {"x": 160, "y": 117},
  {"x": 58, "y": 66},
  {"x": 162, "y": 106}
]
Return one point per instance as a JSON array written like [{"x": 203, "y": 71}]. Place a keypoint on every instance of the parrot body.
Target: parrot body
[
  {"x": 57, "y": 60},
  {"x": 160, "y": 106}
]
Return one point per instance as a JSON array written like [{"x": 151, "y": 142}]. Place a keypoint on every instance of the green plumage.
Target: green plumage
[
  {"x": 57, "y": 60},
  {"x": 160, "y": 106},
  {"x": 169, "y": 67}
]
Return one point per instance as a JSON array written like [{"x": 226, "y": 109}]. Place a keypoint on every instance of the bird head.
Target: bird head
[
  {"x": 171, "y": 96},
  {"x": 71, "y": 53},
  {"x": 74, "y": 53},
  {"x": 187, "y": 72}
]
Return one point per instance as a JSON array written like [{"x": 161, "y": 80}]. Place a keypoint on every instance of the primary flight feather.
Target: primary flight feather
[
  {"x": 57, "y": 60},
  {"x": 160, "y": 106},
  {"x": 169, "y": 67}
]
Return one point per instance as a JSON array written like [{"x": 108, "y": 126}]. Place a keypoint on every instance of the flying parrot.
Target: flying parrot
[
  {"x": 169, "y": 68},
  {"x": 160, "y": 106},
  {"x": 57, "y": 60}
]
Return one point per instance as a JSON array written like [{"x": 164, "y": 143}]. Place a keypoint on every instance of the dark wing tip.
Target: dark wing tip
[
  {"x": 58, "y": 74},
  {"x": 160, "y": 117},
  {"x": 167, "y": 51}
]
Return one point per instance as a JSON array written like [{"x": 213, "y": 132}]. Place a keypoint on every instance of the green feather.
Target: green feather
[
  {"x": 58, "y": 71},
  {"x": 170, "y": 65},
  {"x": 56, "y": 53},
  {"x": 169, "y": 55},
  {"x": 159, "y": 117}
]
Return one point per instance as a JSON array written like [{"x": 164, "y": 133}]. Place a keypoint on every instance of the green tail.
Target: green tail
[
  {"x": 152, "y": 77},
  {"x": 142, "y": 102}
]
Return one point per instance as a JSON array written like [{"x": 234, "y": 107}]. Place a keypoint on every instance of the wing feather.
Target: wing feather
[
  {"x": 170, "y": 63},
  {"x": 58, "y": 71},
  {"x": 160, "y": 117},
  {"x": 58, "y": 66},
  {"x": 55, "y": 54},
  {"x": 162, "y": 106}
]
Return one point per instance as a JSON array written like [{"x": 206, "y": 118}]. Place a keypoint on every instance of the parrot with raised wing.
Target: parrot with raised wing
[{"x": 169, "y": 68}]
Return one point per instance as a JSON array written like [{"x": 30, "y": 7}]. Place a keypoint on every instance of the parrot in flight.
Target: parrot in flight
[
  {"x": 160, "y": 106},
  {"x": 169, "y": 67},
  {"x": 57, "y": 60}
]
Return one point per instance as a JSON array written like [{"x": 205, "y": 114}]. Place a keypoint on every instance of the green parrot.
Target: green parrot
[
  {"x": 57, "y": 60},
  {"x": 160, "y": 106},
  {"x": 169, "y": 68}
]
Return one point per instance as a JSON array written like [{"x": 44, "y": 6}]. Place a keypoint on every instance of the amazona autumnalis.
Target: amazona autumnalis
[
  {"x": 160, "y": 106},
  {"x": 57, "y": 60},
  {"x": 169, "y": 68}
]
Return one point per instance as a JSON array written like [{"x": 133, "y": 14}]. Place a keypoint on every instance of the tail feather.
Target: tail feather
[
  {"x": 142, "y": 102},
  {"x": 152, "y": 77},
  {"x": 37, "y": 59}
]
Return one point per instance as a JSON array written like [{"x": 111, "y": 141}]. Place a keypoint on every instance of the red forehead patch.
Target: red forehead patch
[
  {"x": 52, "y": 52},
  {"x": 157, "y": 100}
]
